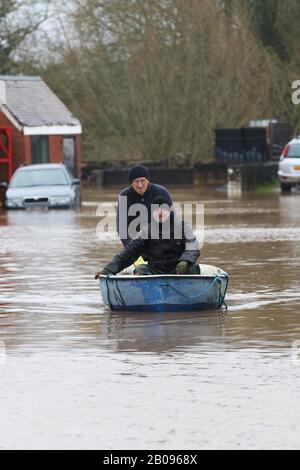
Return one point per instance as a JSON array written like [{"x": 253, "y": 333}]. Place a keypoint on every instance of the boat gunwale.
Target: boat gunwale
[{"x": 163, "y": 276}]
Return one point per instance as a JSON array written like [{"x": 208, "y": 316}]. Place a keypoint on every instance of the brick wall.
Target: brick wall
[{"x": 55, "y": 149}]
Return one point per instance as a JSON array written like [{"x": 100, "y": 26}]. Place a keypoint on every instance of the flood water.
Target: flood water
[{"x": 75, "y": 376}]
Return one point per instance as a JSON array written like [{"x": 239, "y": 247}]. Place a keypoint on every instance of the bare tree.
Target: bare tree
[
  {"x": 151, "y": 78},
  {"x": 18, "y": 20}
]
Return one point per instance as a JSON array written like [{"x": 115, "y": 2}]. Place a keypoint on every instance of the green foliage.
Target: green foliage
[
  {"x": 276, "y": 23},
  {"x": 264, "y": 15},
  {"x": 268, "y": 188}
]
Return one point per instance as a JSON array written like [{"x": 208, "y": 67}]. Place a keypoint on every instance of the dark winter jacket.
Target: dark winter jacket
[
  {"x": 162, "y": 254},
  {"x": 133, "y": 197}
]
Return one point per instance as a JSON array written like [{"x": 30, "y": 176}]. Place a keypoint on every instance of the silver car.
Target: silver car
[
  {"x": 43, "y": 186},
  {"x": 289, "y": 166}
]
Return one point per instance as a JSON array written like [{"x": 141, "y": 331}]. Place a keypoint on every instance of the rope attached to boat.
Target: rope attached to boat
[
  {"x": 107, "y": 293},
  {"x": 222, "y": 302},
  {"x": 117, "y": 293},
  {"x": 198, "y": 296}
]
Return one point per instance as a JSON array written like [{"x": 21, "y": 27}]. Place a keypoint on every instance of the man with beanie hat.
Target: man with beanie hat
[
  {"x": 168, "y": 245},
  {"x": 142, "y": 193},
  {"x": 138, "y": 171}
]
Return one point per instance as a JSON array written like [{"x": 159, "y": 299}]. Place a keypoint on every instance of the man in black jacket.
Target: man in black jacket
[
  {"x": 167, "y": 244},
  {"x": 140, "y": 194}
]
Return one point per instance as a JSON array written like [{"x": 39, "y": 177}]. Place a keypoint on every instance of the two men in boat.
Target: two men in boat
[
  {"x": 138, "y": 196},
  {"x": 167, "y": 244}
]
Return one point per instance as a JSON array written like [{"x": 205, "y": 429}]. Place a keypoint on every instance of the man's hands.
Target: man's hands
[
  {"x": 105, "y": 272},
  {"x": 182, "y": 268}
]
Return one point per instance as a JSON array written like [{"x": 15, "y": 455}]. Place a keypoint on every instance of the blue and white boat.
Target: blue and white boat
[{"x": 166, "y": 293}]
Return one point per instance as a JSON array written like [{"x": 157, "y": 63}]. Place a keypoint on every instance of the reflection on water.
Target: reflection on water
[
  {"x": 168, "y": 332},
  {"x": 116, "y": 332},
  {"x": 78, "y": 376}
]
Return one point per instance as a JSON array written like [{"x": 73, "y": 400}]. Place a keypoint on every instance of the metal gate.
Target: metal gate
[{"x": 6, "y": 165}]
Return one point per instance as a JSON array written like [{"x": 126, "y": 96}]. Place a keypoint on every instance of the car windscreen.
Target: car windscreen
[
  {"x": 294, "y": 151},
  {"x": 30, "y": 178}
]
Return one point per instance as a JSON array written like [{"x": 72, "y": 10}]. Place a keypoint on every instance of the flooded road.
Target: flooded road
[{"x": 75, "y": 376}]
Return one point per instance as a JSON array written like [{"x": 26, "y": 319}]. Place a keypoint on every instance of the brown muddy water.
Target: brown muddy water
[{"x": 75, "y": 376}]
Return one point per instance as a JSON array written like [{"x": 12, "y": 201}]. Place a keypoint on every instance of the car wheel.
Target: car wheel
[{"x": 286, "y": 188}]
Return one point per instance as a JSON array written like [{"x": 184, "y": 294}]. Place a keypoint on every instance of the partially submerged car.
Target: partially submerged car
[
  {"x": 43, "y": 186},
  {"x": 289, "y": 166}
]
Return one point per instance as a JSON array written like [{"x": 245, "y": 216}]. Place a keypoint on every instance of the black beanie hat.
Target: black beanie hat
[
  {"x": 138, "y": 171},
  {"x": 161, "y": 201}
]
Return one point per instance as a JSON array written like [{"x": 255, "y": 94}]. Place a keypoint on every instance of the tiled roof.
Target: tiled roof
[{"x": 33, "y": 104}]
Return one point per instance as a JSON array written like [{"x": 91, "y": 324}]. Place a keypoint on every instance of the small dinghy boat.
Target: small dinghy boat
[{"x": 166, "y": 293}]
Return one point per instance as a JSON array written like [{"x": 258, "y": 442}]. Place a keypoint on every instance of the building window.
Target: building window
[
  {"x": 39, "y": 149},
  {"x": 69, "y": 154}
]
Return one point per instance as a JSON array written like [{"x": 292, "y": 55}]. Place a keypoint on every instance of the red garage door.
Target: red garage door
[{"x": 6, "y": 167}]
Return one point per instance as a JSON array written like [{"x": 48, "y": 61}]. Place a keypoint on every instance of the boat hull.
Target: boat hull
[{"x": 165, "y": 293}]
